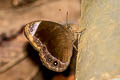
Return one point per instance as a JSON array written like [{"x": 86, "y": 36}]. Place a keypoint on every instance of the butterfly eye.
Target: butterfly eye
[{"x": 55, "y": 63}]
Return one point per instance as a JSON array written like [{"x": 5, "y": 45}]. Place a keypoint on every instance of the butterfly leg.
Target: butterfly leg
[
  {"x": 76, "y": 49},
  {"x": 79, "y": 34}
]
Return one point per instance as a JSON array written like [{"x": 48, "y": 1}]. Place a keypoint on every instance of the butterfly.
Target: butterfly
[{"x": 53, "y": 41}]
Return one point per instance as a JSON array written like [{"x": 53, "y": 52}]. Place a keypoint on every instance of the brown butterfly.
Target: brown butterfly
[{"x": 53, "y": 41}]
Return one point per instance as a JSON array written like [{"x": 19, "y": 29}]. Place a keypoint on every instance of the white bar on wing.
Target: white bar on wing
[{"x": 35, "y": 27}]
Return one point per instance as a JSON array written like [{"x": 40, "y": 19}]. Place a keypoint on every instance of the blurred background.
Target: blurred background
[{"x": 18, "y": 59}]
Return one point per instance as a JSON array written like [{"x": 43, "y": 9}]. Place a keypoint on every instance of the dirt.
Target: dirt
[{"x": 17, "y": 62}]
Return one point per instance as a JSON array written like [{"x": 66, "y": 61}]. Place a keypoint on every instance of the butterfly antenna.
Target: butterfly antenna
[
  {"x": 67, "y": 18},
  {"x": 68, "y": 25}
]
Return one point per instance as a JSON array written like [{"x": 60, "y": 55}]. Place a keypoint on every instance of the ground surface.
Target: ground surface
[{"x": 17, "y": 61}]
